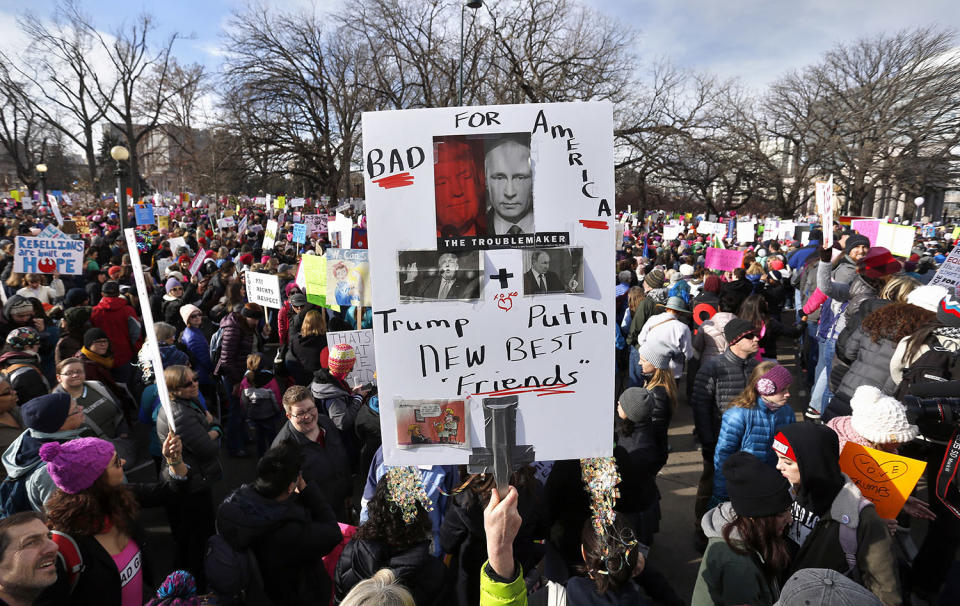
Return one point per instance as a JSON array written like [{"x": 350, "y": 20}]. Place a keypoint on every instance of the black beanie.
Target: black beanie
[
  {"x": 756, "y": 489},
  {"x": 92, "y": 335},
  {"x": 736, "y": 328},
  {"x": 46, "y": 413},
  {"x": 855, "y": 241}
]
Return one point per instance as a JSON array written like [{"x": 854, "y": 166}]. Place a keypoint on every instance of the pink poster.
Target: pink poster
[
  {"x": 724, "y": 259},
  {"x": 867, "y": 227}
]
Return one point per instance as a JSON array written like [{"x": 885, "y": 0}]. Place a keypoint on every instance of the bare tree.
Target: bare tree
[{"x": 20, "y": 127}]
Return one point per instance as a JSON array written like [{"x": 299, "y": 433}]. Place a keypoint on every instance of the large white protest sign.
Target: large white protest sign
[
  {"x": 55, "y": 207},
  {"x": 270, "y": 235},
  {"x": 898, "y": 239},
  {"x": 672, "y": 232},
  {"x": 264, "y": 289},
  {"x": 362, "y": 343},
  {"x": 176, "y": 244},
  {"x": 948, "y": 275},
  {"x": 746, "y": 231},
  {"x": 465, "y": 306},
  {"x": 47, "y": 255},
  {"x": 226, "y": 222},
  {"x": 316, "y": 224},
  {"x": 824, "y": 200}
]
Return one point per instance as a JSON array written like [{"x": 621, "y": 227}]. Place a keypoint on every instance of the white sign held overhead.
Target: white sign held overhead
[
  {"x": 264, "y": 289},
  {"x": 948, "y": 275},
  {"x": 471, "y": 306},
  {"x": 47, "y": 255},
  {"x": 270, "y": 235}
]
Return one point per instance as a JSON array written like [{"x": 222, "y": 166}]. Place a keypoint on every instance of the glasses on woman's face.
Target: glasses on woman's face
[
  {"x": 177, "y": 289},
  {"x": 194, "y": 316},
  {"x": 116, "y": 461},
  {"x": 188, "y": 383},
  {"x": 9, "y": 392},
  {"x": 103, "y": 342}
]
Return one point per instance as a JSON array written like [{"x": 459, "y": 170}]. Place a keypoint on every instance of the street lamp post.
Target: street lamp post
[
  {"x": 42, "y": 170},
  {"x": 120, "y": 154},
  {"x": 474, "y": 4}
]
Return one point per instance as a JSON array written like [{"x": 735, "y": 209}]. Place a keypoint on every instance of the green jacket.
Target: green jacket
[
  {"x": 725, "y": 576},
  {"x": 645, "y": 309},
  {"x": 497, "y": 593}
]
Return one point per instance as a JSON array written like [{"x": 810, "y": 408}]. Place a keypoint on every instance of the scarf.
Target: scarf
[{"x": 105, "y": 361}]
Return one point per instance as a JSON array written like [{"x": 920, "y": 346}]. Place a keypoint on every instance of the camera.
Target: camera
[{"x": 940, "y": 410}]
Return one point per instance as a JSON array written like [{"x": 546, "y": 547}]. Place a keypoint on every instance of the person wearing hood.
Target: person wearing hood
[
  {"x": 828, "y": 504},
  {"x": 172, "y": 302},
  {"x": 396, "y": 535},
  {"x": 239, "y": 339},
  {"x": 746, "y": 550},
  {"x": 306, "y": 347},
  {"x": 286, "y": 521},
  {"x": 709, "y": 340},
  {"x": 669, "y": 332},
  {"x": 75, "y": 322},
  {"x": 331, "y": 391},
  {"x": 19, "y": 312},
  {"x": 325, "y": 457},
  {"x": 116, "y": 317},
  {"x": 11, "y": 425},
  {"x": 752, "y": 419},
  {"x": 53, "y": 417},
  {"x": 738, "y": 287},
  {"x": 20, "y": 362}
]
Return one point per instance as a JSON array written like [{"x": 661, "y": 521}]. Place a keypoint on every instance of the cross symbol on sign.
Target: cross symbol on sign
[{"x": 502, "y": 276}]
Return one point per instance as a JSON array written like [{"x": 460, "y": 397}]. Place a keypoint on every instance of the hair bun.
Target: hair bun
[{"x": 50, "y": 451}]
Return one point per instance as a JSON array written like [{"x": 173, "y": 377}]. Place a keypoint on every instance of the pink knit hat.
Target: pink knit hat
[
  {"x": 342, "y": 358},
  {"x": 774, "y": 381},
  {"x": 75, "y": 465}
]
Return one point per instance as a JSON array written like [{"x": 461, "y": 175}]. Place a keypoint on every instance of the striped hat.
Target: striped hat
[{"x": 342, "y": 358}]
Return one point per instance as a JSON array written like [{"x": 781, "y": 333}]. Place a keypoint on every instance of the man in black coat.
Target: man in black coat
[
  {"x": 326, "y": 462},
  {"x": 539, "y": 279},
  {"x": 718, "y": 382},
  {"x": 287, "y": 523}
]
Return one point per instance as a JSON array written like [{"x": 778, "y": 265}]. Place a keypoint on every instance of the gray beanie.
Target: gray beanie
[
  {"x": 656, "y": 353},
  {"x": 637, "y": 404}
]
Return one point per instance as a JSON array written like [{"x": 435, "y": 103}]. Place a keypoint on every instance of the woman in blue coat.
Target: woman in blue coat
[
  {"x": 751, "y": 421},
  {"x": 198, "y": 348}
]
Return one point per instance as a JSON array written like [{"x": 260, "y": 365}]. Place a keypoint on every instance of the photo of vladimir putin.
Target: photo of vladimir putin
[
  {"x": 539, "y": 279},
  {"x": 509, "y": 185},
  {"x": 458, "y": 186}
]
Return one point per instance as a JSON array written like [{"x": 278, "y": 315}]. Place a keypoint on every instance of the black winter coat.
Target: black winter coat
[
  {"x": 304, "y": 356},
  {"x": 871, "y": 366},
  {"x": 328, "y": 465},
  {"x": 289, "y": 539},
  {"x": 416, "y": 569},
  {"x": 719, "y": 381}
]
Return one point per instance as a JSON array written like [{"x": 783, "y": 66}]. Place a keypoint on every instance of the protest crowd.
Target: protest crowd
[{"x": 734, "y": 317}]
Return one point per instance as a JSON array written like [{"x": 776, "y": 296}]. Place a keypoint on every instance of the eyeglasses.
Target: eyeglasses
[
  {"x": 115, "y": 461},
  {"x": 306, "y": 414},
  {"x": 189, "y": 383},
  {"x": 194, "y": 315},
  {"x": 749, "y": 335},
  {"x": 72, "y": 373},
  {"x": 7, "y": 393},
  {"x": 101, "y": 342}
]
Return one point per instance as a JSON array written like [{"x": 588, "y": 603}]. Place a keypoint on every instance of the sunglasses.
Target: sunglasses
[{"x": 189, "y": 383}]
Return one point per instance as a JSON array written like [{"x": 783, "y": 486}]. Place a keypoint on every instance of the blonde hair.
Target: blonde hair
[
  {"x": 663, "y": 377},
  {"x": 381, "y": 589},
  {"x": 898, "y": 287},
  {"x": 314, "y": 323},
  {"x": 748, "y": 397}
]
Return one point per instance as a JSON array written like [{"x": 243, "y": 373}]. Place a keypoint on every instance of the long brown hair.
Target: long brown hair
[
  {"x": 663, "y": 377},
  {"x": 613, "y": 569},
  {"x": 759, "y": 535},
  {"x": 634, "y": 296},
  {"x": 748, "y": 397},
  {"x": 85, "y": 513}
]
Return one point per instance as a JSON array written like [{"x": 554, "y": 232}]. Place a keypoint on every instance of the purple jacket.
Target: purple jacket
[{"x": 236, "y": 345}]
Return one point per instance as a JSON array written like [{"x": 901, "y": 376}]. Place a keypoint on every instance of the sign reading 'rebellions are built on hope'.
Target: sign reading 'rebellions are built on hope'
[
  {"x": 491, "y": 239},
  {"x": 47, "y": 255}
]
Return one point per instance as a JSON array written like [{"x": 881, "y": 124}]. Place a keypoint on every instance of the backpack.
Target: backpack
[
  {"x": 68, "y": 552},
  {"x": 13, "y": 495},
  {"x": 216, "y": 345},
  {"x": 935, "y": 364},
  {"x": 260, "y": 403},
  {"x": 230, "y": 573},
  {"x": 15, "y": 370},
  {"x": 848, "y": 542}
]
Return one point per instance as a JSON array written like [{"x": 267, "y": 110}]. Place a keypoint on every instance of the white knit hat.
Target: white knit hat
[
  {"x": 926, "y": 296},
  {"x": 686, "y": 270},
  {"x": 880, "y": 418}
]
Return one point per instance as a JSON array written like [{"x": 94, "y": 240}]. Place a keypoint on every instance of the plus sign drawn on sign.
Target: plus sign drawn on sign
[{"x": 502, "y": 276}]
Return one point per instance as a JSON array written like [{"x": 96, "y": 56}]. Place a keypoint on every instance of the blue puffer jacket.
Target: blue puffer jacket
[{"x": 750, "y": 430}]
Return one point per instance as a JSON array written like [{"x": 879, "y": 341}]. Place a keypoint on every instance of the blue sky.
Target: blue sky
[{"x": 756, "y": 40}]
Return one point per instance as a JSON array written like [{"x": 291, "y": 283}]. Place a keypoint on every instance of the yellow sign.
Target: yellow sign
[
  {"x": 883, "y": 478},
  {"x": 163, "y": 222},
  {"x": 315, "y": 280},
  {"x": 15, "y": 194},
  {"x": 83, "y": 225},
  {"x": 280, "y": 203},
  {"x": 956, "y": 233}
]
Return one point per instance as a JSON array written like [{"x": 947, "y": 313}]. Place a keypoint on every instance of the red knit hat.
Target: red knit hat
[{"x": 878, "y": 262}]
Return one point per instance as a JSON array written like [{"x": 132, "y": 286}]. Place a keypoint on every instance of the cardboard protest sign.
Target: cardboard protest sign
[
  {"x": 47, "y": 255},
  {"x": 348, "y": 277},
  {"x": 299, "y": 233},
  {"x": 297, "y": 202},
  {"x": 15, "y": 194},
  {"x": 620, "y": 229},
  {"x": 948, "y": 275},
  {"x": 824, "y": 197},
  {"x": 163, "y": 222},
  {"x": 161, "y": 211},
  {"x": 55, "y": 207},
  {"x": 314, "y": 269},
  {"x": 197, "y": 262},
  {"x": 51, "y": 231},
  {"x": 242, "y": 226},
  {"x": 226, "y": 222},
  {"x": 144, "y": 214},
  {"x": 83, "y": 225},
  {"x": 264, "y": 289},
  {"x": 362, "y": 343},
  {"x": 723, "y": 259},
  {"x": 316, "y": 224},
  {"x": 280, "y": 203},
  {"x": 786, "y": 230},
  {"x": 672, "y": 232},
  {"x": 867, "y": 227},
  {"x": 540, "y": 178},
  {"x": 898, "y": 239},
  {"x": 176, "y": 244},
  {"x": 746, "y": 231},
  {"x": 705, "y": 228},
  {"x": 885, "y": 479},
  {"x": 270, "y": 235}
]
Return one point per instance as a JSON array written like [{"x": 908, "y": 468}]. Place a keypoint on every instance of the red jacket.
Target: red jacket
[{"x": 111, "y": 314}]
